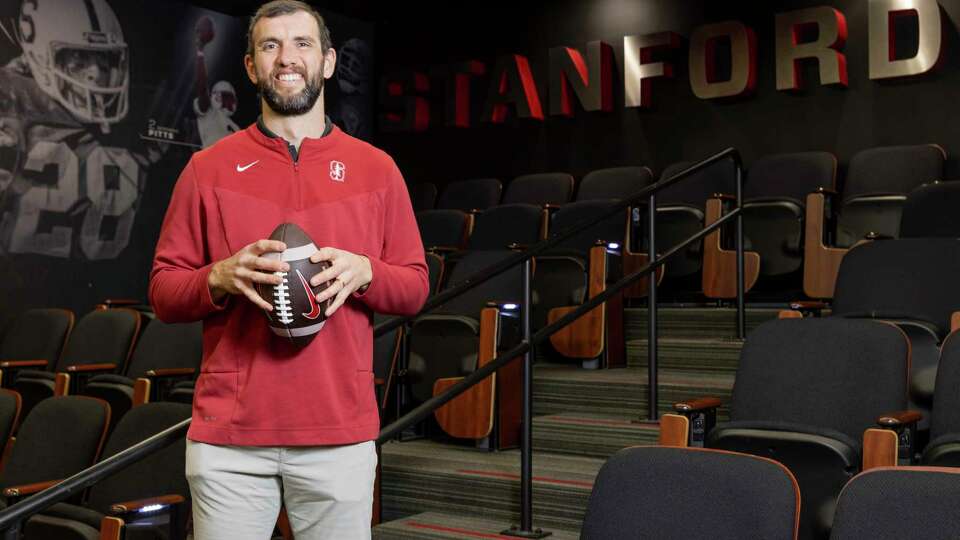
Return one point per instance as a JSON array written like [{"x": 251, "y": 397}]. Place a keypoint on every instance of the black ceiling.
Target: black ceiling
[{"x": 367, "y": 10}]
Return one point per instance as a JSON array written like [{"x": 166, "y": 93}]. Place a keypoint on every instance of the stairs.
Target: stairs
[{"x": 434, "y": 490}]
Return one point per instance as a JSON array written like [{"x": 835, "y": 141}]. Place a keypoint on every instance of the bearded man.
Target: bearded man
[{"x": 273, "y": 423}]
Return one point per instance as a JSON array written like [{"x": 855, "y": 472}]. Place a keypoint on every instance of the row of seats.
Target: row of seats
[
  {"x": 63, "y": 435},
  {"x": 908, "y": 281},
  {"x": 797, "y": 224},
  {"x": 681, "y": 493},
  {"x": 807, "y": 390},
  {"x": 120, "y": 355}
]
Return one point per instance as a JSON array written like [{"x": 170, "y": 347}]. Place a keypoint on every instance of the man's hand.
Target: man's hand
[
  {"x": 348, "y": 271},
  {"x": 238, "y": 274}
]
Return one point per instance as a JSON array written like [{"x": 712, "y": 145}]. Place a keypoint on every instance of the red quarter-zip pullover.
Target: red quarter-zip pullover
[{"x": 254, "y": 387}]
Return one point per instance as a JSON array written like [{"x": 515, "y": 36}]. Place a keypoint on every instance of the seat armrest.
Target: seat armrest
[
  {"x": 170, "y": 372},
  {"x": 551, "y": 207},
  {"x": 829, "y": 192},
  {"x": 29, "y": 489},
  {"x": 723, "y": 197},
  {"x": 898, "y": 419},
  {"x": 122, "y": 302},
  {"x": 6, "y": 364},
  {"x": 696, "y": 405},
  {"x": 441, "y": 250},
  {"x": 702, "y": 416},
  {"x": 808, "y": 307},
  {"x": 515, "y": 246},
  {"x": 904, "y": 425},
  {"x": 137, "y": 505},
  {"x": 90, "y": 368},
  {"x": 14, "y": 365},
  {"x": 872, "y": 235}
]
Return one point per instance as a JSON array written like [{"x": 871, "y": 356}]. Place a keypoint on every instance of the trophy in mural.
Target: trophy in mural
[
  {"x": 213, "y": 106},
  {"x": 71, "y": 184}
]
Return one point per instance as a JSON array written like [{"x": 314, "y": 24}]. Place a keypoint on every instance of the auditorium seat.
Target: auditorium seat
[
  {"x": 681, "y": 211},
  {"x": 686, "y": 493},
  {"x": 944, "y": 446},
  {"x": 576, "y": 270},
  {"x": 805, "y": 391},
  {"x": 165, "y": 354},
  {"x": 774, "y": 202},
  {"x": 158, "y": 479},
  {"x": 469, "y": 195},
  {"x": 423, "y": 196},
  {"x": 101, "y": 342},
  {"x": 388, "y": 347},
  {"x": 911, "y": 282},
  {"x": 34, "y": 340},
  {"x": 540, "y": 189},
  {"x": 443, "y": 231},
  {"x": 10, "y": 406},
  {"x": 613, "y": 183},
  {"x": 905, "y": 503},
  {"x": 505, "y": 226},
  {"x": 877, "y": 183},
  {"x": 61, "y": 436},
  {"x": 930, "y": 211},
  {"x": 886, "y": 441},
  {"x": 458, "y": 338}
]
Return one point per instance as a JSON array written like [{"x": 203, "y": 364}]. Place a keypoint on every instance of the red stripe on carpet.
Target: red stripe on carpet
[
  {"x": 511, "y": 476},
  {"x": 441, "y": 528}
]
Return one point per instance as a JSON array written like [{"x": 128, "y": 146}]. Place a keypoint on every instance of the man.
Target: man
[
  {"x": 213, "y": 106},
  {"x": 273, "y": 423}
]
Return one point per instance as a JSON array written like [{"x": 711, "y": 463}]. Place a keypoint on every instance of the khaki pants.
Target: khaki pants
[{"x": 237, "y": 490}]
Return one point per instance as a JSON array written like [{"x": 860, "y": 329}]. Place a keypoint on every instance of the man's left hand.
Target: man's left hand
[{"x": 348, "y": 272}]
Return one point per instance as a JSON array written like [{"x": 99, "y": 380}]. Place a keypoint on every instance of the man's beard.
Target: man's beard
[{"x": 297, "y": 104}]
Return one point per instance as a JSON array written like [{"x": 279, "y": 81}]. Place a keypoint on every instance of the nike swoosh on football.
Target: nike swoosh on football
[{"x": 245, "y": 167}]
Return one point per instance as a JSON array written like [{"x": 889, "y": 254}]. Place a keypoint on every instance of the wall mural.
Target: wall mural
[{"x": 101, "y": 105}]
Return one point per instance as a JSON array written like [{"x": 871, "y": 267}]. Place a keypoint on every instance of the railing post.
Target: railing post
[
  {"x": 652, "y": 412},
  {"x": 741, "y": 308},
  {"x": 525, "y": 530}
]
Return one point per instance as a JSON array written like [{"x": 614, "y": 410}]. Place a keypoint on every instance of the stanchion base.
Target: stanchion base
[{"x": 515, "y": 531}]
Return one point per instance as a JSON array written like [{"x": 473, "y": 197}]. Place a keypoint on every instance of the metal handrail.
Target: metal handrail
[
  {"x": 12, "y": 517},
  {"x": 514, "y": 260},
  {"x": 424, "y": 409}
]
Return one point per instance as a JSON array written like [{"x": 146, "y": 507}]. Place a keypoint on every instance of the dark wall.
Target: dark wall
[{"x": 679, "y": 125}]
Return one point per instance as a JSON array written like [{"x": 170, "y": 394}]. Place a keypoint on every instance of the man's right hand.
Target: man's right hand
[{"x": 238, "y": 274}]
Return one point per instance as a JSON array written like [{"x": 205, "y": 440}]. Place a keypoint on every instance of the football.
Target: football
[
  {"x": 296, "y": 313},
  {"x": 204, "y": 30}
]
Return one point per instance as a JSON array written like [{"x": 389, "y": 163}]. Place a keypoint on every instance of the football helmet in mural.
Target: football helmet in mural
[{"x": 77, "y": 56}]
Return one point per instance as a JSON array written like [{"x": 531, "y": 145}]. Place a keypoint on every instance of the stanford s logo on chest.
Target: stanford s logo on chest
[{"x": 338, "y": 171}]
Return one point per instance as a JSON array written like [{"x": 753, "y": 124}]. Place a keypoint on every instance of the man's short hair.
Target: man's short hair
[{"x": 277, "y": 8}]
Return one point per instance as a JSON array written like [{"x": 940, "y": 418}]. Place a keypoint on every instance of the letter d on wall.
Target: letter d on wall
[{"x": 883, "y": 63}]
